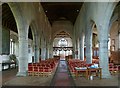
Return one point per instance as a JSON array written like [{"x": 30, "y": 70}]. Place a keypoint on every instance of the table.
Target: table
[
  {"x": 88, "y": 71},
  {"x": 96, "y": 70},
  {"x": 81, "y": 69}
]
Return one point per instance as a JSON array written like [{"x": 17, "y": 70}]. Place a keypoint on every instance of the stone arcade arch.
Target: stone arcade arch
[
  {"x": 35, "y": 41},
  {"x": 22, "y": 27},
  {"x": 9, "y": 33},
  {"x": 114, "y": 35},
  {"x": 101, "y": 16}
]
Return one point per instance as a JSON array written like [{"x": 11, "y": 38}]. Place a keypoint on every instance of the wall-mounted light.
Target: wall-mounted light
[
  {"x": 11, "y": 39},
  {"x": 77, "y": 10}
]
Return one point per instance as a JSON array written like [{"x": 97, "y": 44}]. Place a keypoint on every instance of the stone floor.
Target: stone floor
[
  {"x": 82, "y": 81},
  {"x": 62, "y": 76},
  {"x": 9, "y": 79}
]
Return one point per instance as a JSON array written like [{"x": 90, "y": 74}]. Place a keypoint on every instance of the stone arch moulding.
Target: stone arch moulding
[
  {"x": 115, "y": 16},
  {"x": 11, "y": 12},
  {"x": 33, "y": 29}
]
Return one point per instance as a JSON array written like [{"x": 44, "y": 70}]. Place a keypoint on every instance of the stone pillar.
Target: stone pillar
[
  {"x": 36, "y": 50},
  {"x": 103, "y": 58},
  {"x": 88, "y": 42},
  {"x": 74, "y": 46},
  {"x": 74, "y": 49},
  {"x": 51, "y": 50},
  {"x": 23, "y": 51},
  {"x": 78, "y": 49},
  {"x": 47, "y": 55},
  {"x": 82, "y": 48},
  {"x": 36, "y": 53},
  {"x": 103, "y": 50},
  {"x": 43, "y": 50},
  {"x": 47, "y": 52}
]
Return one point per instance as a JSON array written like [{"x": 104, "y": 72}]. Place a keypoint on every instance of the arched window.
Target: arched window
[
  {"x": 63, "y": 43},
  {"x": 12, "y": 46}
]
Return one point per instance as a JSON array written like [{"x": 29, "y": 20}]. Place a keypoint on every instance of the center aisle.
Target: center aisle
[{"x": 62, "y": 76}]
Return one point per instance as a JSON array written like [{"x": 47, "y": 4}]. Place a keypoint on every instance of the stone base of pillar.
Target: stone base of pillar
[
  {"x": 106, "y": 76},
  {"x": 20, "y": 74}
]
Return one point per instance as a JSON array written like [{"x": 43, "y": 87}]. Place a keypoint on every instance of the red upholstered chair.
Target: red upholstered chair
[
  {"x": 41, "y": 71},
  {"x": 29, "y": 64},
  {"x": 30, "y": 70},
  {"x": 36, "y": 71},
  {"x": 47, "y": 71},
  {"x": 34, "y": 64},
  {"x": 116, "y": 68},
  {"x": 111, "y": 68}
]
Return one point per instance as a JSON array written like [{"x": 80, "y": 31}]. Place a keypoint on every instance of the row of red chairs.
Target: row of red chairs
[
  {"x": 43, "y": 68},
  {"x": 72, "y": 63},
  {"x": 113, "y": 68}
]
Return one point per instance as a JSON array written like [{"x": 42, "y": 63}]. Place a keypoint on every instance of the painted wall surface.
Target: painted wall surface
[{"x": 5, "y": 41}]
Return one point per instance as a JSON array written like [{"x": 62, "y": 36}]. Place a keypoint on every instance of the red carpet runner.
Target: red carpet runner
[{"x": 62, "y": 76}]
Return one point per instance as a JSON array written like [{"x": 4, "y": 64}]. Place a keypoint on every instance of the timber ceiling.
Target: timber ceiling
[
  {"x": 56, "y": 10},
  {"x": 8, "y": 20}
]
